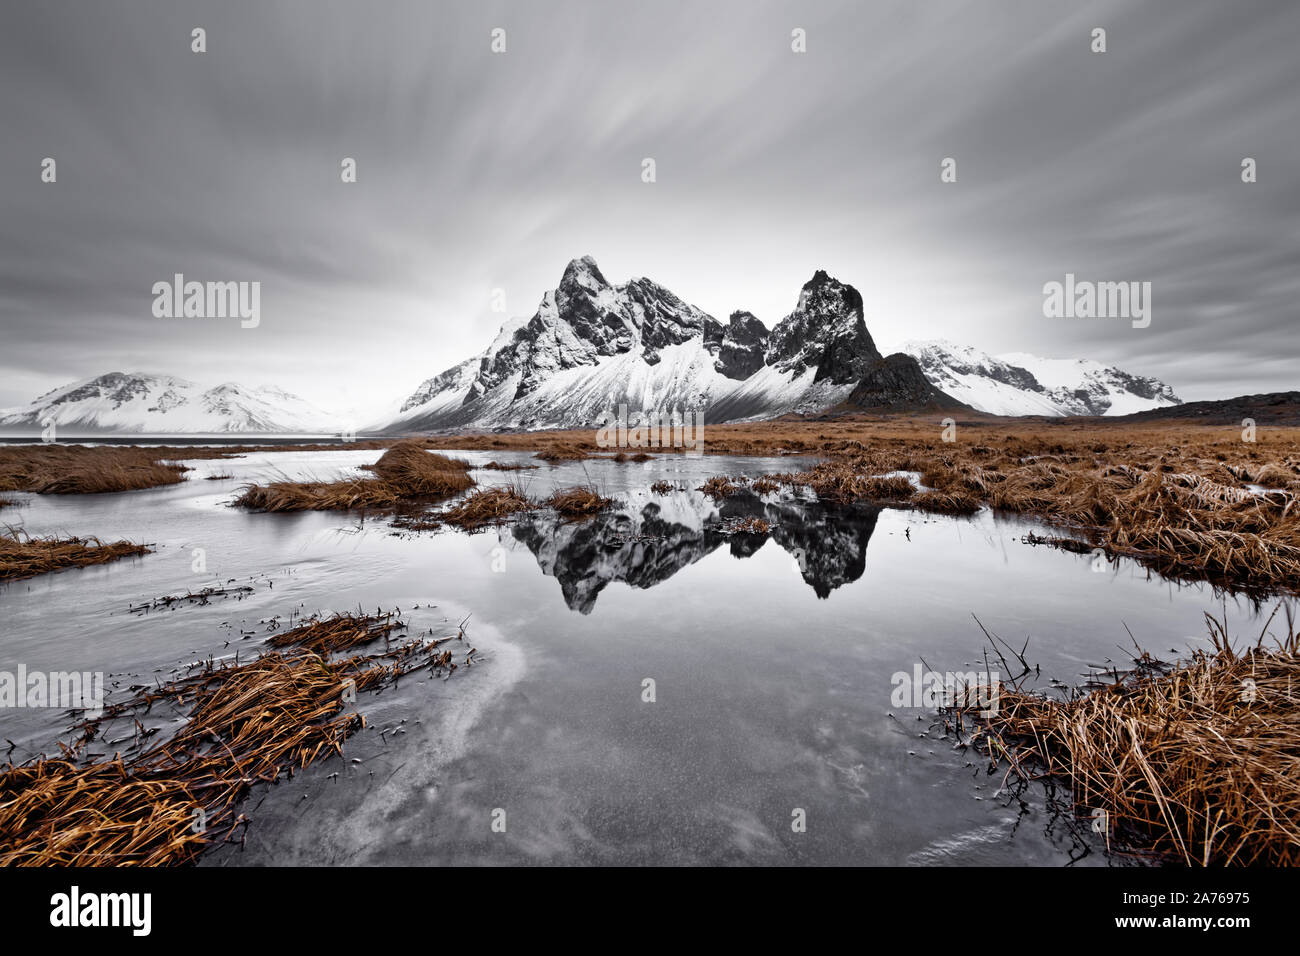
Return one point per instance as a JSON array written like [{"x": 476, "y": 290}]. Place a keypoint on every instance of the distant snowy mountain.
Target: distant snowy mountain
[
  {"x": 592, "y": 346},
  {"x": 1021, "y": 384},
  {"x": 162, "y": 405}
]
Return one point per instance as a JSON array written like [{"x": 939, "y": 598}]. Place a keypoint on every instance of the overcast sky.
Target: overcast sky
[{"x": 479, "y": 171}]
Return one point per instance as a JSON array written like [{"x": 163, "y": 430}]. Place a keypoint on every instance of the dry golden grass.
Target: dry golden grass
[
  {"x": 413, "y": 472},
  {"x": 846, "y": 435},
  {"x": 342, "y": 632},
  {"x": 720, "y": 486},
  {"x": 22, "y": 556},
  {"x": 362, "y": 494},
  {"x": 561, "y": 451},
  {"x": 1277, "y": 475},
  {"x": 1198, "y": 763},
  {"x": 578, "y": 502},
  {"x": 485, "y": 507},
  {"x": 848, "y": 484},
  {"x": 248, "y": 723},
  {"x": 53, "y": 469},
  {"x": 406, "y": 471}
]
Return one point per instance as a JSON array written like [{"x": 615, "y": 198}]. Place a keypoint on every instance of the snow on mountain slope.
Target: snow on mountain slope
[
  {"x": 138, "y": 403},
  {"x": 592, "y": 346},
  {"x": 684, "y": 379},
  {"x": 1018, "y": 383}
]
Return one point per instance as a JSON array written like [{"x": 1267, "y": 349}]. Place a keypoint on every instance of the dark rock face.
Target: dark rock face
[
  {"x": 663, "y": 319},
  {"x": 825, "y": 331},
  {"x": 115, "y": 386},
  {"x": 897, "y": 382},
  {"x": 1144, "y": 386},
  {"x": 714, "y": 331},
  {"x": 742, "y": 346},
  {"x": 587, "y": 303},
  {"x": 1096, "y": 395},
  {"x": 584, "y": 320},
  {"x": 120, "y": 388}
]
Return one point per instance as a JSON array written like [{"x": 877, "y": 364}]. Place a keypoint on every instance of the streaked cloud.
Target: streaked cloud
[{"x": 481, "y": 171}]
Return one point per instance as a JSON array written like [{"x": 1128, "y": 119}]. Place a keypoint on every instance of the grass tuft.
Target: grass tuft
[
  {"x": 1198, "y": 762},
  {"x": 406, "y": 471},
  {"x": 487, "y": 506},
  {"x": 578, "y": 502},
  {"x": 22, "y": 556}
]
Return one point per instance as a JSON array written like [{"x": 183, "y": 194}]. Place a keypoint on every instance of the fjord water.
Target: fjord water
[{"x": 772, "y": 661}]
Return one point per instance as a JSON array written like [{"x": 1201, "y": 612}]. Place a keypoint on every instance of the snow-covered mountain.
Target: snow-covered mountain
[
  {"x": 162, "y": 405},
  {"x": 1018, "y": 383},
  {"x": 592, "y": 346}
]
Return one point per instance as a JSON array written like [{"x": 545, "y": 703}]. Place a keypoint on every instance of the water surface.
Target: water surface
[{"x": 772, "y": 659}]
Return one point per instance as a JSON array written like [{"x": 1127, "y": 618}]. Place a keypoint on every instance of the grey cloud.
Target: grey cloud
[{"x": 481, "y": 171}]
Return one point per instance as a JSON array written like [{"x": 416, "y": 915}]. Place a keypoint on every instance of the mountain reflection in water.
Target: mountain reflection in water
[{"x": 645, "y": 538}]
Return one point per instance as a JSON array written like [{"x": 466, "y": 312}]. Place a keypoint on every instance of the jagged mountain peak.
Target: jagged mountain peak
[
  {"x": 593, "y": 345},
  {"x": 584, "y": 265},
  {"x": 742, "y": 346},
  {"x": 582, "y": 277},
  {"x": 744, "y": 317},
  {"x": 824, "y": 287},
  {"x": 826, "y": 332}
]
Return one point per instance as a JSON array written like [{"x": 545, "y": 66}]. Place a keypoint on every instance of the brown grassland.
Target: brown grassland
[{"x": 1195, "y": 763}]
